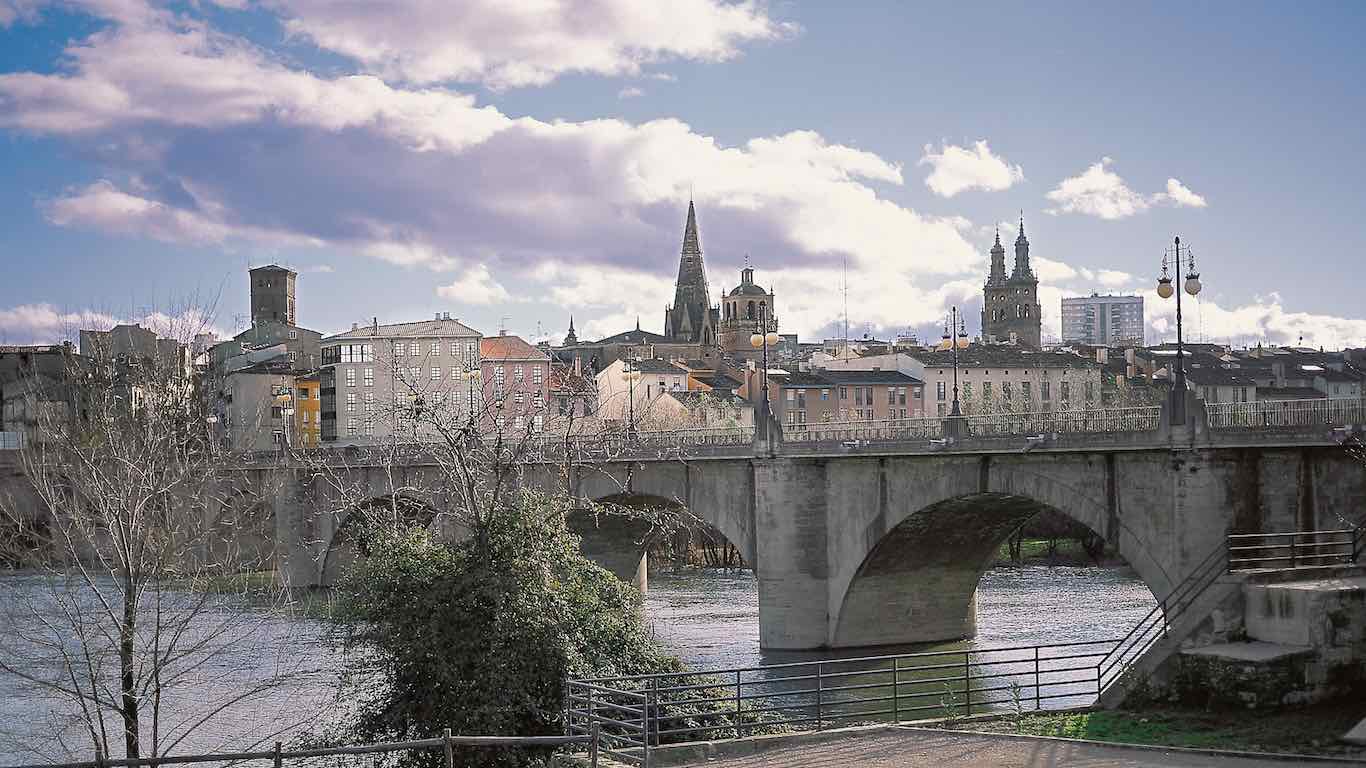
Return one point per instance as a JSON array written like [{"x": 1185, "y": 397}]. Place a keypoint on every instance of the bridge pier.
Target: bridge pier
[{"x": 791, "y": 507}]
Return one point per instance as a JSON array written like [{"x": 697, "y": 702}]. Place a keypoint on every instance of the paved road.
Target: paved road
[{"x": 907, "y": 748}]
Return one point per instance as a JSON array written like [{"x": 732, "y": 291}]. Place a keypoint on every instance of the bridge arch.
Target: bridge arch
[
  {"x": 917, "y": 575},
  {"x": 339, "y": 550}
]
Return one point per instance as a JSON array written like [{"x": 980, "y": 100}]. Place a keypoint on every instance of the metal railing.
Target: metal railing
[
  {"x": 11, "y": 441},
  {"x": 636, "y": 713},
  {"x": 1295, "y": 549},
  {"x": 1133, "y": 419},
  {"x": 1285, "y": 413},
  {"x": 278, "y": 755},
  {"x": 883, "y": 429}
]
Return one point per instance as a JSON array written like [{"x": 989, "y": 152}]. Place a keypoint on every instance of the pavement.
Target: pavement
[{"x": 904, "y": 748}]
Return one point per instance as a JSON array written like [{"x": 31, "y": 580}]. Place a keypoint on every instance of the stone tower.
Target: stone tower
[
  {"x": 691, "y": 318},
  {"x": 1010, "y": 305},
  {"x": 746, "y": 310},
  {"x": 272, "y": 294},
  {"x": 571, "y": 338}
]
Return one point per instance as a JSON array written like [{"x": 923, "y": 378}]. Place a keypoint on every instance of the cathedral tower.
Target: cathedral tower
[
  {"x": 747, "y": 309},
  {"x": 691, "y": 318},
  {"x": 1010, "y": 305}
]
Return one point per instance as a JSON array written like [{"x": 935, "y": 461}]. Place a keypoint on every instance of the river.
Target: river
[{"x": 708, "y": 618}]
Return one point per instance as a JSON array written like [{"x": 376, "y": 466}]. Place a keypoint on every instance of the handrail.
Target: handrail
[{"x": 445, "y": 741}]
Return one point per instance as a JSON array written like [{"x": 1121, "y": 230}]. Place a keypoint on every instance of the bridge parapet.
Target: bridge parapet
[{"x": 1283, "y": 414}]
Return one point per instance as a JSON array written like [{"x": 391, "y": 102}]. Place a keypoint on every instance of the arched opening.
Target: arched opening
[
  {"x": 348, "y": 539},
  {"x": 919, "y": 582},
  {"x": 749, "y": 311}
]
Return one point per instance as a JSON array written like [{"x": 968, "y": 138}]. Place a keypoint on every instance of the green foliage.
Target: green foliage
[{"x": 479, "y": 636}]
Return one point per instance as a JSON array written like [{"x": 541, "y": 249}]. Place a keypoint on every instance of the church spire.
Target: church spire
[
  {"x": 1022, "y": 270},
  {"x": 998, "y": 260},
  {"x": 688, "y": 316}
]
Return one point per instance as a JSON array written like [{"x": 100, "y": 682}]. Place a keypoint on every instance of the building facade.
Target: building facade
[
  {"x": 1112, "y": 321},
  {"x": 798, "y": 398},
  {"x": 995, "y": 379},
  {"x": 376, "y": 380},
  {"x": 516, "y": 383},
  {"x": 1010, "y": 305}
]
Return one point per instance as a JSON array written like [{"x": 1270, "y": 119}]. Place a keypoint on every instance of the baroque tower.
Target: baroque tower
[
  {"x": 1010, "y": 305},
  {"x": 691, "y": 318},
  {"x": 747, "y": 309}
]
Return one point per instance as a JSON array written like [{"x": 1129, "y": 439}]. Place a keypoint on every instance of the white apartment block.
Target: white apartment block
[
  {"x": 376, "y": 378},
  {"x": 1114, "y": 321}
]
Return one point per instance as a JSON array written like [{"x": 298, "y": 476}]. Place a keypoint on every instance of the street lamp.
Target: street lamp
[
  {"x": 631, "y": 370},
  {"x": 469, "y": 375},
  {"x": 1165, "y": 289},
  {"x": 954, "y": 340},
  {"x": 758, "y": 340}
]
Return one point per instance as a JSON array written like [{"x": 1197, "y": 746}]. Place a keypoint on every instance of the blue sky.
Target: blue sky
[{"x": 515, "y": 167}]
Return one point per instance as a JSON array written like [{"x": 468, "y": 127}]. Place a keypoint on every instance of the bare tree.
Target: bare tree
[{"x": 130, "y": 624}]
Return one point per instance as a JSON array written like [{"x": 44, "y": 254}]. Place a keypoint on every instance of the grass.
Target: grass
[
  {"x": 1310, "y": 730},
  {"x": 262, "y": 588},
  {"x": 1035, "y": 552}
]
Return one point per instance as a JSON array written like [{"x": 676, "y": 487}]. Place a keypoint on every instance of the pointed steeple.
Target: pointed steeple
[
  {"x": 1022, "y": 270},
  {"x": 571, "y": 337},
  {"x": 998, "y": 261},
  {"x": 691, "y": 295}
]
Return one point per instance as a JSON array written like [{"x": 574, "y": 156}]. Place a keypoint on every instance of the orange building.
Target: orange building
[{"x": 308, "y": 410}]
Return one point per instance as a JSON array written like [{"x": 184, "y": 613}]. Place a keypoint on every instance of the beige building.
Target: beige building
[
  {"x": 651, "y": 380},
  {"x": 377, "y": 379},
  {"x": 1003, "y": 379}
]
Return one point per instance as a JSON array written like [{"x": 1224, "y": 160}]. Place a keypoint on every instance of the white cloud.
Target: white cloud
[
  {"x": 630, "y": 92},
  {"x": 476, "y": 286},
  {"x": 44, "y": 323},
  {"x": 1113, "y": 278},
  {"x": 961, "y": 168},
  {"x": 1050, "y": 271},
  {"x": 511, "y": 43},
  {"x": 1099, "y": 191},
  {"x": 1265, "y": 319},
  {"x": 1179, "y": 195},
  {"x": 322, "y": 269}
]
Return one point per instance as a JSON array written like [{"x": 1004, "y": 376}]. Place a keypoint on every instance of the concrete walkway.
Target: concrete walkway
[{"x": 904, "y": 748}]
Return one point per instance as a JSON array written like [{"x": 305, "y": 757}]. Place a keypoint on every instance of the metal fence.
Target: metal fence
[
  {"x": 637, "y": 713},
  {"x": 1285, "y": 413},
  {"x": 884, "y": 429},
  {"x": 587, "y": 741},
  {"x": 1134, "y": 419},
  {"x": 11, "y": 441},
  {"x": 1295, "y": 549}
]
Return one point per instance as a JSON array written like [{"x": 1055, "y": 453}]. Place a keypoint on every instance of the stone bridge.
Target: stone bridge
[{"x": 865, "y": 535}]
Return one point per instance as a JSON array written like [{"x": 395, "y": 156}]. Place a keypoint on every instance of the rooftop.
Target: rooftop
[
  {"x": 508, "y": 348},
  {"x": 418, "y": 329}
]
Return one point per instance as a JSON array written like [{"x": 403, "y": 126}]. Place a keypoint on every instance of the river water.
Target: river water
[{"x": 709, "y": 618}]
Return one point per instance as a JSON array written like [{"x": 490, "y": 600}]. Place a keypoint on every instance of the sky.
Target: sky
[{"x": 516, "y": 162}]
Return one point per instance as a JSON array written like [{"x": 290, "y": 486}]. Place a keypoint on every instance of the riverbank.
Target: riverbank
[{"x": 1311, "y": 730}]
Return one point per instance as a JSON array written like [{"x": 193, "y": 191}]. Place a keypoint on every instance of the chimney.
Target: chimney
[
  {"x": 1102, "y": 355},
  {"x": 502, "y": 331},
  {"x": 438, "y": 315},
  {"x": 355, "y": 326},
  {"x": 374, "y": 326}
]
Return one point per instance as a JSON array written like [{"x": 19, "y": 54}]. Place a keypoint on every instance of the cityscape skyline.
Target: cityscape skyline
[{"x": 136, "y": 185}]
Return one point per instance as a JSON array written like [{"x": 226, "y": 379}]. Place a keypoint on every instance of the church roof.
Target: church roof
[
  {"x": 636, "y": 336},
  {"x": 748, "y": 290}
]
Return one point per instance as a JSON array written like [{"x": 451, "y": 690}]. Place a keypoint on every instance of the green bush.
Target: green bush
[{"x": 479, "y": 635}]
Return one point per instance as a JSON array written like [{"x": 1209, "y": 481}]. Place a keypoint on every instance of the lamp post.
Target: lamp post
[
  {"x": 469, "y": 375},
  {"x": 631, "y": 370},
  {"x": 1165, "y": 290},
  {"x": 758, "y": 340},
  {"x": 954, "y": 333}
]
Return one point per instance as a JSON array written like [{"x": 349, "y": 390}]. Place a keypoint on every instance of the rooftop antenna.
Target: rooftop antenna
[
  {"x": 503, "y": 324},
  {"x": 845, "y": 280}
]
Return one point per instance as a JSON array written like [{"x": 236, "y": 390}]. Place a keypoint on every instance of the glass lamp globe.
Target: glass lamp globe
[
  {"x": 1164, "y": 288},
  {"x": 756, "y": 340},
  {"x": 1193, "y": 283},
  {"x": 771, "y": 338}
]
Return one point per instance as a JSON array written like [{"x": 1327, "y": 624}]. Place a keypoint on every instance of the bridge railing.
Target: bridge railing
[
  {"x": 278, "y": 756},
  {"x": 1285, "y": 413},
  {"x": 737, "y": 702},
  {"x": 884, "y": 429},
  {"x": 1295, "y": 549},
  {"x": 1131, "y": 419}
]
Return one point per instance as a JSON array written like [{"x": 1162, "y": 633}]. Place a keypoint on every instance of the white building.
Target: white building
[
  {"x": 1113, "y": 321},
  {"x": 375, "y": 378}
]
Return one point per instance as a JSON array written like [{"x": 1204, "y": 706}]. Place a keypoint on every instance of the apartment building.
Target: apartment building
[
  {"x": 1113, "y": 321},
  {"x": 516, "y": 383},
  {"x": 1000, "y": 379},
  {"x": 377, "y": 380},
  {"x": 801, "y": 397}
]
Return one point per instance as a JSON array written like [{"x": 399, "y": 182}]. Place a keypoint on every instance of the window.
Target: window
[
  {"x": 1043, "y": 390},
  {"x": 415, "y": 348},
  {"x": 499, "y": 375},
  {"x": 293, "y": 334},
  {"x": 517, "y": 375},
  {"x": 942, "y": 410},
  {"x": 825, "y": 394},
  {"x": 369, "y": 402},
  {"x": 369, "y": 426},
  {"x": 538, "y": 401},
  {"x": 369, "y": 377},
  {"x": 276, "y": 412},
  {"x": 537, "y": 422},
  {"x": 517, "y": 398},
  {"x": 472, "y": 351},
  {"x": 1088, "y": 390},
  {"x": 436, "y": 348},
  {"x": 398, "y": 349},
  {"x": 986, "y": 391},
  {"x": 1064, "y": 391},
  {"x": 901, "y": 395},
  {"x": 350, "y": 377},
  {"x": 791, "y": 395},
  {"x": 414, "y": 374},
  {"x": 1024, "y": 390},
  {"x": 351, "y": 426},
  {"x": 1005, "y": 391},
  {"x": 844, "y": 394},
  {"x": 967, "y": 390},
  {"x": 891, "y": 396},
  {"x": 537, "y": 375},
  {"x": 436, "y": 373},
  {"x": 518, "y": 423},
  {"x": 455, "y": 349},
  {"x": 941, "y": 391},
  {"x": 801, "y": 400},
  {"x": 351, "y": 402}
]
